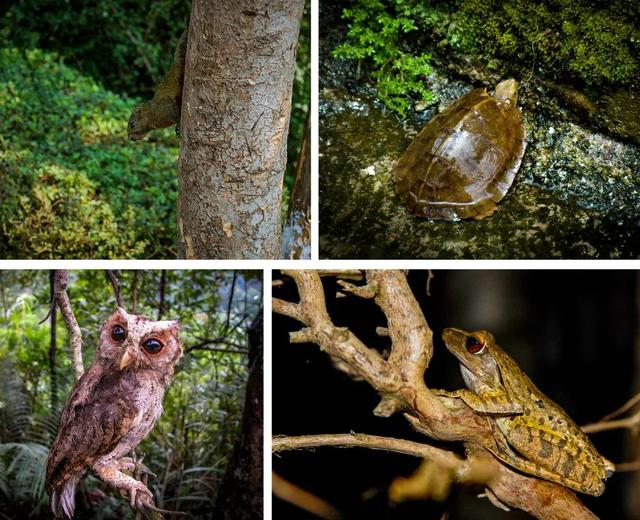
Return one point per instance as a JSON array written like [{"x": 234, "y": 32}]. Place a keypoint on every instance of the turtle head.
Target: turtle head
[{"x": 507, "y": 90}]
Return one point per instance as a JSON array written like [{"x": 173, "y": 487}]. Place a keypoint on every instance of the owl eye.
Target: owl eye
[
  {"x": 474, "y": 346},
  {"x": 118, "y": 333},
  {"x": 132, "y": 124},
  {"x": 152, "y": 346}
]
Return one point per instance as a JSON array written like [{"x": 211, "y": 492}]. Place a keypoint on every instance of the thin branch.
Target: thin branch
[
  {"x": 162, "y": 289},
  {"x": 360, "y": 440},
  {"x": 301, "y": 498},
  {"x": 630, "y": 423},
  {"x": 625, "y": 407},
  {"x": 53, "y": 346},
  {"x": 525, "y": 492},
  {"x": 135, "y": 43},
  {"x": 628, "y": 466},
  {"x": 115, "y": 283},
  {"x": 233, "y": 288},
  {"x": 205, "y": 345},
  {"x": 75, "y": 339}
]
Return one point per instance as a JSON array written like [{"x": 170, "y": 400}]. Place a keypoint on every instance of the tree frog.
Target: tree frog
[{"x": 532, "y": 433}]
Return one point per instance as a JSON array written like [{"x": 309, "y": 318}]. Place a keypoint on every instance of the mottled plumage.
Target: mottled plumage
[{"x": 113, "y": 407}]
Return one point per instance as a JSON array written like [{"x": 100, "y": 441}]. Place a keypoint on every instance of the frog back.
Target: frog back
[{"x": 545, "y": 435}]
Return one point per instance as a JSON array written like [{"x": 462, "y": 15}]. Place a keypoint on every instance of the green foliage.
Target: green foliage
[
  {"x": 377, "y": 36},
  {"x": 24, "y": 470},
  {"x": 70, "y": 183},
  {"x": 126, "y": 45},
  {"x": 190, "y": 445},
  {"x": 601, "y": 48},
  {"x": 571, "y": 40},
  {"x": 578, "y": 39},
  {"x": 26, "y": 429}
]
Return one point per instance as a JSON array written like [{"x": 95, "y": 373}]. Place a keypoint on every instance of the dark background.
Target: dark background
[{"x": 573, "y": 332}]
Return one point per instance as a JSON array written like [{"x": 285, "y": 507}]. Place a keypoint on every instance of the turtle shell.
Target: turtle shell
[{"x": 464, "y": 160}]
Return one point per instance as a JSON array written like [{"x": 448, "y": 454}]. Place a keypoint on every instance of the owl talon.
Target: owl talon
[
  {"x": 126, "y": 464},
  {"x": 140, "y": 496}
]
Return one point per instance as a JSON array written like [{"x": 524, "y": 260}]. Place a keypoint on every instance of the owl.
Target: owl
[{"x": 112, "y": 407}]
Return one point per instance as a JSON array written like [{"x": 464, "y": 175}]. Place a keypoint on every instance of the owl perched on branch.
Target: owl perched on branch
[{"x": 112, "y": 408}]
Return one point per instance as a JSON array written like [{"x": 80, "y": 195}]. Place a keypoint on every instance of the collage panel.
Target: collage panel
[
  {"x": 155, "y": 129},
  {"x": 166, "y": 164},
  {"x": 131, "y": 394},
  {"x": 479, "y": 130},
  {"x": 455, "y": 394}
]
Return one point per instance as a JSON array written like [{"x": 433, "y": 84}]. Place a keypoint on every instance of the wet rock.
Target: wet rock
[{"x": 577, "y": 194}]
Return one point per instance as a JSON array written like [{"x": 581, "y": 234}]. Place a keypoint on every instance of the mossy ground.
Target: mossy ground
[{"x": 591, "y": 49}]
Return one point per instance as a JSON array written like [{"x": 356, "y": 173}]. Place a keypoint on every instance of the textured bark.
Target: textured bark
[
  {"x": 296, "y": 241},
  {"x": 234, "y": 121},
  {"x": 75, "y": 334},
  {"x": 240, "y": 493}
]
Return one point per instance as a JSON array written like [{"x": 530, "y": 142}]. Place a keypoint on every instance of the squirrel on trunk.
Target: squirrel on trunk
[{"x": 164, "y": 109}]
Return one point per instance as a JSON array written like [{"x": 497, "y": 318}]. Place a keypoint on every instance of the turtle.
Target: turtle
[{"x": 463, "y": 162}]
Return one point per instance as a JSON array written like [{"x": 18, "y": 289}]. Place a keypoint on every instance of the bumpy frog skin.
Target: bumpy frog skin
[{"x": 532, "y": 433}]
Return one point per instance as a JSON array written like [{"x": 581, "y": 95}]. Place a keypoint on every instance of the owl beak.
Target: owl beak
[{"x": 125, "y": 360}]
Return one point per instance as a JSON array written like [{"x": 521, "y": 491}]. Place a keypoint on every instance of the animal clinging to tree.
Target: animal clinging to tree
[{"x": 164, "y": 109}]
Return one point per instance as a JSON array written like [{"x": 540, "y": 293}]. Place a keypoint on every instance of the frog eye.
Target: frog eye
[{"x": 474, "y": 346}]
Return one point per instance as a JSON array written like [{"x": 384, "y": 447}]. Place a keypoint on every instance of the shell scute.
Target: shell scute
[{"x": 464, "y": 160}]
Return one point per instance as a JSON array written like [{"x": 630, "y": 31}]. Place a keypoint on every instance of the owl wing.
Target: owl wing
[{"x": 96, "y": 417}]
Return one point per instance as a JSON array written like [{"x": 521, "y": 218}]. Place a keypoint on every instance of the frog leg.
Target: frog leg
[
  {"x": 490, "y": 404},
  {"x": 502, "y": 450}
]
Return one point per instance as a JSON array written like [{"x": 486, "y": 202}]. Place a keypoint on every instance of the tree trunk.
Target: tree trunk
[
  {"x": 240, "y": 493},
  {"x": 235, "y": 116},
  {"x": 296, "y": 241}
]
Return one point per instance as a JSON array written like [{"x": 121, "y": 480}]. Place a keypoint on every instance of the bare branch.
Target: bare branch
[
  {"x": 233, "y": 288},
  {"x": 632, "y": 422},
  {"x": 75, "y": 339},
  {"x": 625, "y": 407},
  {"x": 374, "y": 442},
  {"x": 162, "y": 289},
  {"x": 287, "y": 309},
  {"x": 301, "y": 498},
  {"x": 115, "y": 283},
  {"x": 628, "y": 466},
  {"x": 209, "y": 345}
]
